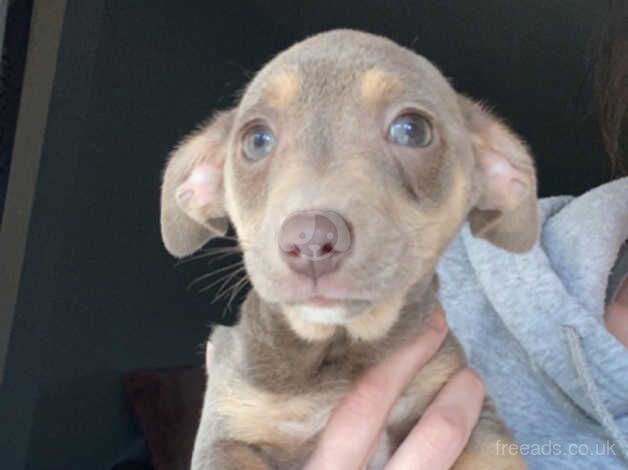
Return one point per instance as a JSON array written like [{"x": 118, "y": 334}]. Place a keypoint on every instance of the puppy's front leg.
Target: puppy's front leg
[{"x": 227, "y": 454}]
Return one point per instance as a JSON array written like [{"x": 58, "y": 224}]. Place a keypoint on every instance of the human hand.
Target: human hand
[{"x": 354, "y": 428}]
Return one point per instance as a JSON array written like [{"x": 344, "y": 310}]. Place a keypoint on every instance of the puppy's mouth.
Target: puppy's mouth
[
  {"x": 327, "y": 291},
  {"x": 322, "y": 302}
]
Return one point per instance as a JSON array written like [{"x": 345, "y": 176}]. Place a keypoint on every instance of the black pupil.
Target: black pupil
[
  {"x": 261, "y": 139},
  {"x": 409, "y": 130}
]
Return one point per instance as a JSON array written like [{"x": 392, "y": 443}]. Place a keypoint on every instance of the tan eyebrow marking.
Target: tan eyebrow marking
[
  {"x": 377, "y": 85},
  {"x": 283, "y": 89}
]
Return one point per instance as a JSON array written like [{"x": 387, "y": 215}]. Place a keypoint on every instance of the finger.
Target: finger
[
  {"x": 440, "y": 436},
  {"x": 354, "y": 426}
]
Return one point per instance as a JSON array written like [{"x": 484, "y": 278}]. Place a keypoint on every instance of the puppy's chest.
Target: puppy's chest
[
  {"x": 289, "y": 420},
  {"x": 280, "y": 404}
]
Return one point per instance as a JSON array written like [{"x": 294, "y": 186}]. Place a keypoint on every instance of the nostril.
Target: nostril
[
  {"x": 294, "y": 251},
  {"x": 314, "y": 242}
]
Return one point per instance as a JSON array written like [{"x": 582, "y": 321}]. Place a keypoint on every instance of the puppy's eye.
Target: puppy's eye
[
  {"x": 410, "y": 130},
  {"x": 258, "y": 143}
]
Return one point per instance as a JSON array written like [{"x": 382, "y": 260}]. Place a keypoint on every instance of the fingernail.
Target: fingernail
[{"x": 437, "y": 320}]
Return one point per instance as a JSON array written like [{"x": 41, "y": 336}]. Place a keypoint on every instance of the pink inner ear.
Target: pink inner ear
[
  {"x": 505, "y": 185},
  {"x": 200, "y": 188}
]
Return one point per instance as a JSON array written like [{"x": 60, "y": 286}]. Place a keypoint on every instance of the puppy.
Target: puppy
[{"x": 346, "y": 168}]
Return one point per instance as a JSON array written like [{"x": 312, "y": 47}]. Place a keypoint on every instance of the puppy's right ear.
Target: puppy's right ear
[{"x": 192, "y": 193}]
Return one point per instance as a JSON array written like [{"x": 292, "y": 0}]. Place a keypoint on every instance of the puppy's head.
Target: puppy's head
[{"x": 346, "y": 168}]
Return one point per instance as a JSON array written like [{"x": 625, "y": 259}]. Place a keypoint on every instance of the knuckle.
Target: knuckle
[{"x": 445, "y": 431}]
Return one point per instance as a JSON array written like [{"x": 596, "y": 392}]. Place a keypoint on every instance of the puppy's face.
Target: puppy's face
[
  {"x": 374, "y": 146},
  {"x": 346, "y": 169}
]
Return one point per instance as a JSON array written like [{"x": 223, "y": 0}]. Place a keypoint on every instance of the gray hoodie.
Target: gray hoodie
[{"x": 533, "y": 326}]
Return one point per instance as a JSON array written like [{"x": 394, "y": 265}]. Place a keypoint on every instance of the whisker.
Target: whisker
[
  {"x": 239, "y": 286},
  {"x": 220, "y": 257},
  {"x": 223, "y": 286},
  {"x": 210, "y": 252},
  {"x": 228, "y": 290},
  {"x": 214, "y": 272},
  {"x": 220, "y": 249},
  {"x": 225, "y": 278}
]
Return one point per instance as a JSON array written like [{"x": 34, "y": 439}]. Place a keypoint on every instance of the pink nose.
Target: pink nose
[{"x": 313, "y": 243}]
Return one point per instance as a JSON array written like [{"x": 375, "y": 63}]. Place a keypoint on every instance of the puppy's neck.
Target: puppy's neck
[
  {"x": 373, "y": 324},
  {"x": 296, "y": 356}
]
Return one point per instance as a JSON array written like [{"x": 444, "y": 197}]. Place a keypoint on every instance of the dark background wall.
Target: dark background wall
[
  {"x": 100, "y": 296},
  {"x": 14, "y": 23}
]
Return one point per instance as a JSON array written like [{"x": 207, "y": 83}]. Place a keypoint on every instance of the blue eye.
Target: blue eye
[
  {"x": 258, "y": 143},
  {"x": 410, "y": 130}
]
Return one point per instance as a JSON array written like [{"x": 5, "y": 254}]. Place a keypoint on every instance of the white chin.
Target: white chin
[{"x": 335, "y": 315}]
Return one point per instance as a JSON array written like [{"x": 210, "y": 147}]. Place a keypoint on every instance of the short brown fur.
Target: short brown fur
[{"x": 277, "y": 375}]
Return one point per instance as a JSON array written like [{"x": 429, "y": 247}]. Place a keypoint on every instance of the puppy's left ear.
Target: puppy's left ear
[{"x": 505, "y": 211}]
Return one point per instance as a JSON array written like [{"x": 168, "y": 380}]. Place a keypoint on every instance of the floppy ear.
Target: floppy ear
[
  {"x": 505, "y": 211},
  {"x": 192, "y": 194}
]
